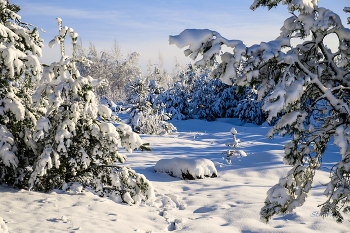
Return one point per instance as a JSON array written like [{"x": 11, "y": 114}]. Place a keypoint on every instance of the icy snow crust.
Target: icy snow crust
[{"x": 185, "y": 168}]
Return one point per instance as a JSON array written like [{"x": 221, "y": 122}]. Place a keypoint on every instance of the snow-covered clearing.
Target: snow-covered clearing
[{"x": 228, "y": 203}]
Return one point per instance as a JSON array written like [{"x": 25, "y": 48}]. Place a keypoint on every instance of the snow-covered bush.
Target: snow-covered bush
[
  {"x": 306, "y": 83},
  {"x": 234, "y": 153},
  {"x": 185, "y": 168},
  {"x": 155, "y": 123}
]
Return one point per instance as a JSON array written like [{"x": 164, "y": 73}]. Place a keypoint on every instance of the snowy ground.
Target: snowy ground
[{"x": 228, "y": 203}]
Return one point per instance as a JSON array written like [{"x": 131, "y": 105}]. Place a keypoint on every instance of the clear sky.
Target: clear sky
[{"x": 144, "y": 26}]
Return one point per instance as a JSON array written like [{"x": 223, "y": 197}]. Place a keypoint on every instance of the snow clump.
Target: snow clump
[{"x": 184, "y": 168}]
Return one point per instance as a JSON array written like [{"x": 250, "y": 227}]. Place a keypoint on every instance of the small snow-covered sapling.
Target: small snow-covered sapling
[{"x": 237, "y": 153}]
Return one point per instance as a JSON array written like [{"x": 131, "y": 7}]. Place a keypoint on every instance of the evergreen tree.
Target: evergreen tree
[
  {"x": 20, "y": 47},
  {"x": 138, "y": 91},
  {"x": 146, "y": 117}
]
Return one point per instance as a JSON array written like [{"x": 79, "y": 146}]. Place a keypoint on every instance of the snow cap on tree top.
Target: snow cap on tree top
[
  {"x": 233, "y": 131},
  {"x": 300, "y": 5}
]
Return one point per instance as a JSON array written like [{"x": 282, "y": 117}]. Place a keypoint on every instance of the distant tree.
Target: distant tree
[
  {"x": 308, "y": 84},
  {"x": 159, "y": 74},
  {"x": 110, "y": 65}
]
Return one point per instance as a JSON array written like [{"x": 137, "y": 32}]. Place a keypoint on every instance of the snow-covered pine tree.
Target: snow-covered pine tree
[
  {"x": 199, "y": 94},
  {"x": 177, "y": 99},
  {"x": 74, "y": 143},
  {"x": 146, "y": 116},
  {"x": 20, "y": 47},
  {"x": 249, "y": 108},
  {"x": 138, "y": 103},
  {"x": 155, "y": 91},
  {"x": 307, "y": 83}
]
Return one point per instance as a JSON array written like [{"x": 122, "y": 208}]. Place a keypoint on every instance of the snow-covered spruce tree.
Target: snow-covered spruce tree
[
  {"x": 73, "y": 146},
  {"x": 307, "y": 83},
  {"x": 249, "y": 108},
  {"x": 138, "y": 103},
  {"x": 177, "y": 100},
  {"x": 20, "y": 47},
  {"x": 155, "y": 91},
  {"x": 146, "y": 117}
]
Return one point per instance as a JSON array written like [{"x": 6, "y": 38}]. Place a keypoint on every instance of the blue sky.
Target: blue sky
[{"x": 144, "y": 26}]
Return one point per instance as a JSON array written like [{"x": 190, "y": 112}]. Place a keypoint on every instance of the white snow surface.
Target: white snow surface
[
  {"x": 197, "y": 168},
  {"x": 228, "y": 203}
]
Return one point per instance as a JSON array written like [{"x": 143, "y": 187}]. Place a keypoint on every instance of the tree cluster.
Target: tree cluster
[{"x": 200, "y": 95}]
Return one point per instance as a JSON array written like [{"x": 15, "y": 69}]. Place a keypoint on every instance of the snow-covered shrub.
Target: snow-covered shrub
[
  {"x": 234, "y": 153},
  {"x": 20, "y": 47},
  {"x": 154, "y": 123},
  {"x": 305, "y": 83},
  {"x": 185, "y": 168}
]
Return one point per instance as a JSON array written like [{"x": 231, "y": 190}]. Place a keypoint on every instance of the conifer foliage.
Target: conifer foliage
[
  {"x": 308, "y": 84},
  {"x": 61, "y": 138}
]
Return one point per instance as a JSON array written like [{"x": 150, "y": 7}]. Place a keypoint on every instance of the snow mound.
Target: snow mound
[
  {"x": 3, "y": 227},
  {"x": 184, "y": 168}
]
